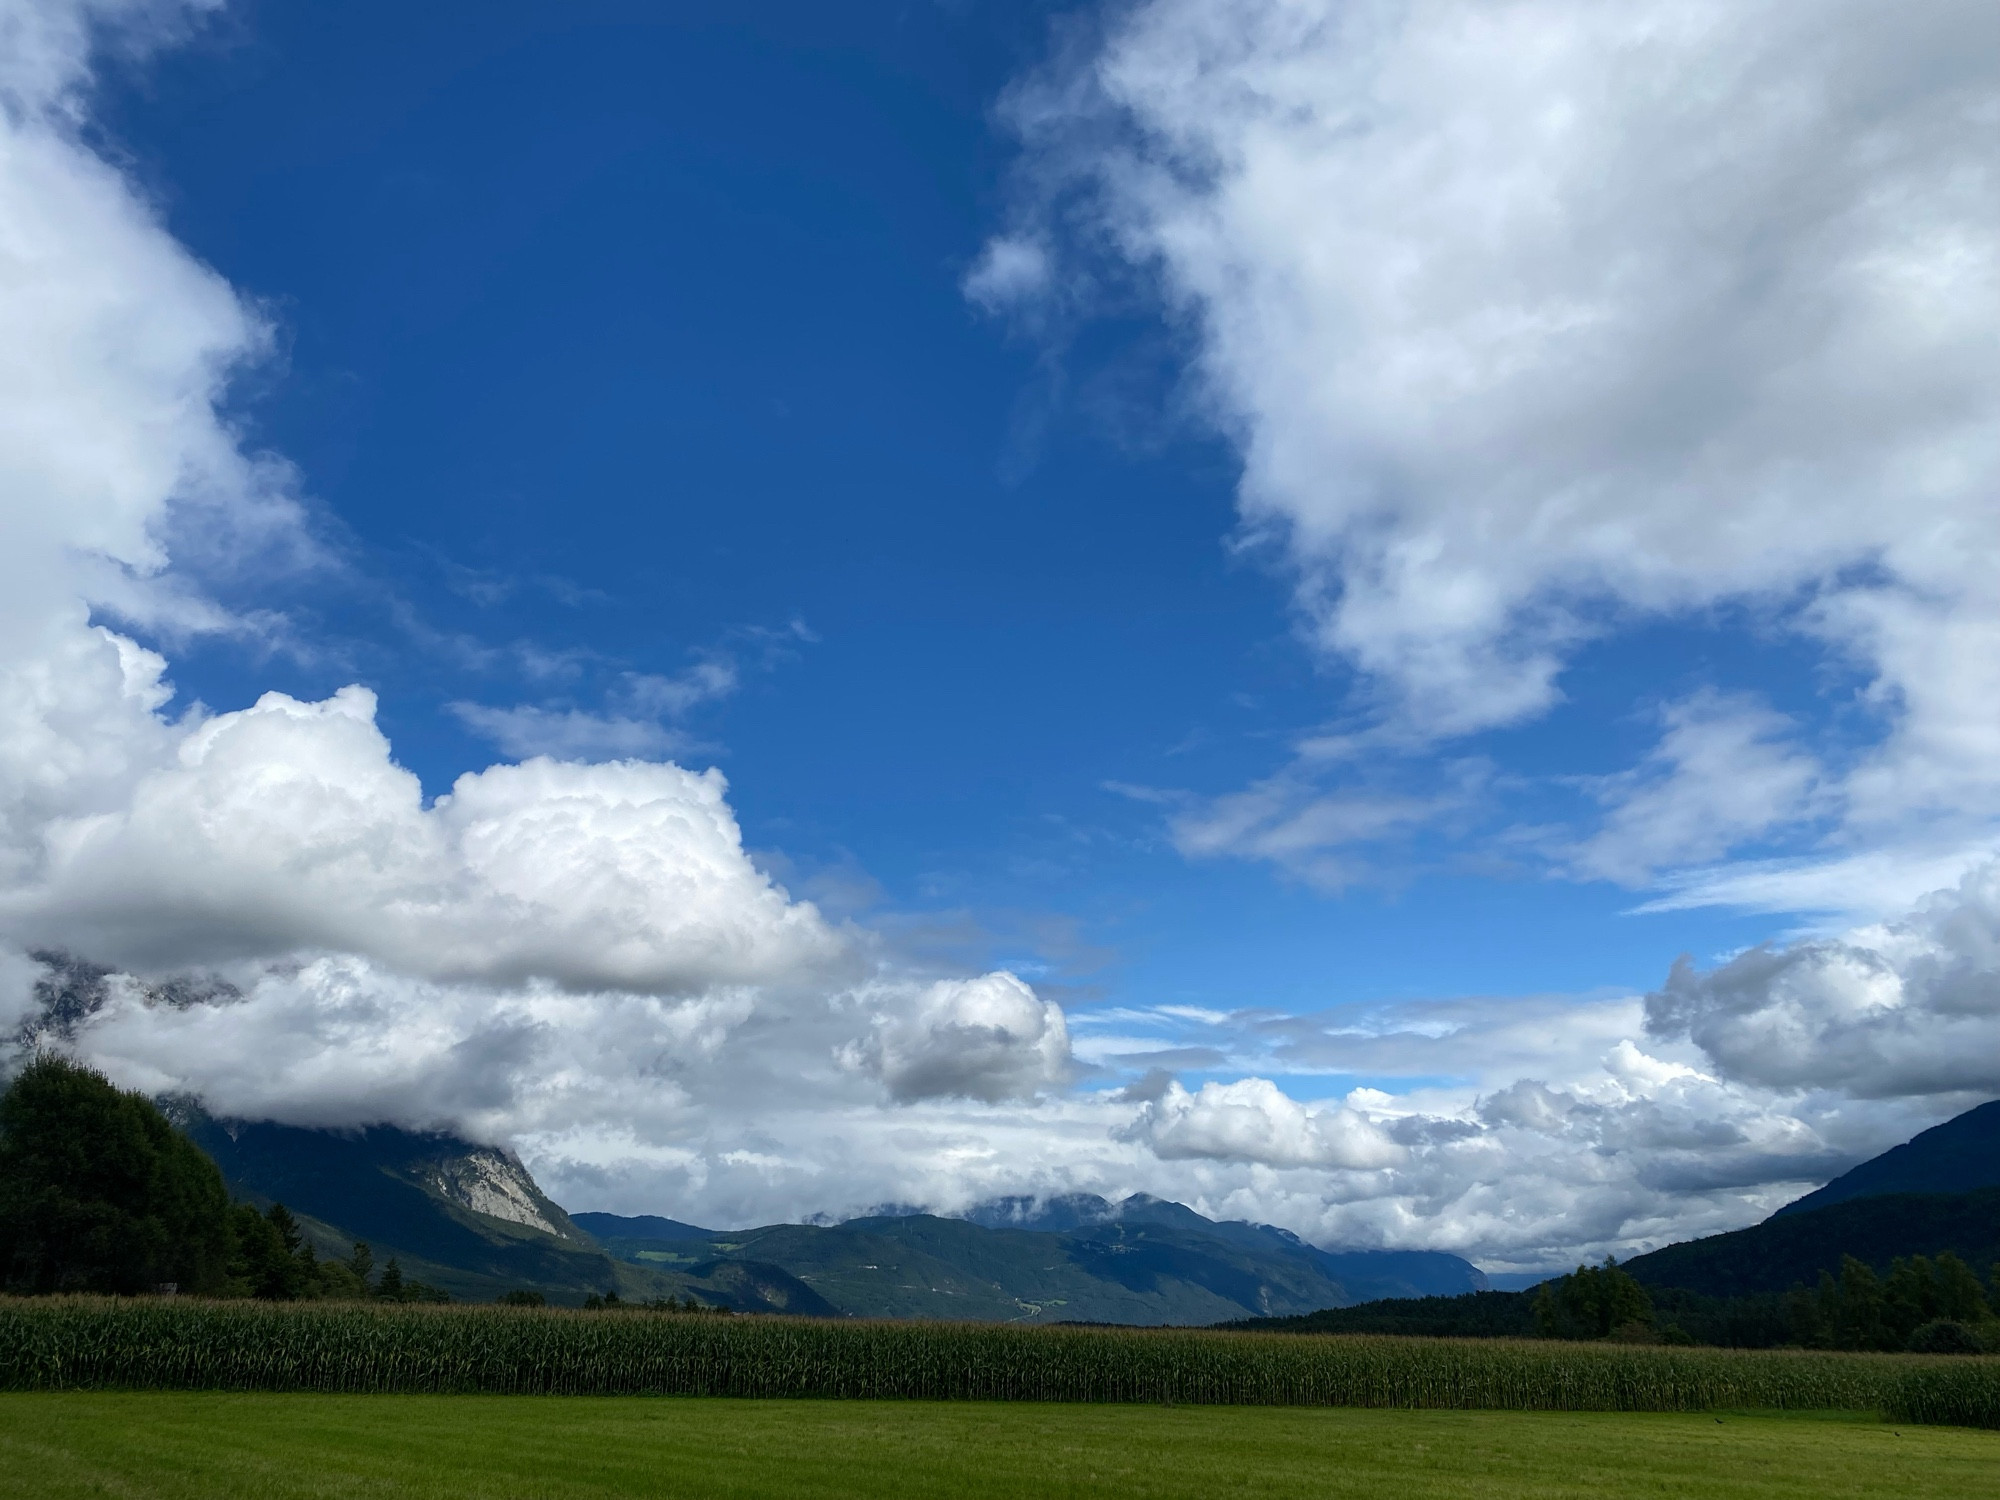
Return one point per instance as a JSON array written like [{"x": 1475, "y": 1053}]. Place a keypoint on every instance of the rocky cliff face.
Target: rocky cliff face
[{"x": 490, "y": 1181}]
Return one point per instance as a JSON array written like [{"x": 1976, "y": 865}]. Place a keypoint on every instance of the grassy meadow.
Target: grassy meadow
[{"x": 177, "y": 1446}]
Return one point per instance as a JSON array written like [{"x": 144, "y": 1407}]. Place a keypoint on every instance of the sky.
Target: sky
[{"x": 1374, "y": 615}]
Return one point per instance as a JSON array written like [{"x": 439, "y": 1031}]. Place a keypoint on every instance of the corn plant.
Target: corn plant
[{"x": 78, "y": 1342}]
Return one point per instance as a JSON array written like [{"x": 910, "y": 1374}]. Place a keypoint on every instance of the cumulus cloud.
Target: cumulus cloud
[
  {"x": 1253, "y": 1120},
  {"x": 1905, "y": 1008},
  {"x": 287, "y": 827},
  {"x": 989, "y": 1038},
  {"x": 1536, "y": 318}
]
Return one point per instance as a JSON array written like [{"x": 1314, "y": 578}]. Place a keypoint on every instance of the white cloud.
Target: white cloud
[
  {"x": 1010, "y": 270},
  {"x": 1907, "y": 1008},
  {"x": 1322, "y": 835},
  {"x": 1533, "y": 319},
  {"x": 287, "y": 828},
  {"x": 1726, "y": 770},
  {"x": 633, "y": 727},
  {"x": 1855, "y": 887},
  {"x": 989, "y": 1038},
  {"x": 653, "y": 693},
  {"x": 567, "y": 733},
  {"x": 1253, "y": 1120}
]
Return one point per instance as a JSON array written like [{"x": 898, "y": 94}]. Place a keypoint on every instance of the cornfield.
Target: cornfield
[{"x": 70, "y": 1343}]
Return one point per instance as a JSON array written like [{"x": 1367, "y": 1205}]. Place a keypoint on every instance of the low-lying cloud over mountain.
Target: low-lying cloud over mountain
[{"x": 1583, "y": 401}]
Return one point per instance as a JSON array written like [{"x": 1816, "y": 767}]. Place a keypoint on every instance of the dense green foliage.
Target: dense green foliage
[
  {"x": 99, "y": 1193},
  {"x": 85, "y": 1342},
  {"x": 1594, "y": 1302},
  {"x": 1861, "y": 1310},
  {"x": 1940, "y": 1299},
  {"x": 211, "y": 1446},
  {"x": 1952, "y": 1392}
]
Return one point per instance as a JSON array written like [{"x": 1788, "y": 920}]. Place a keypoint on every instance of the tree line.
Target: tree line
[
  {"x": 100, "y": 1193},
  {"x": 1925, "y": 1304},
  {"x": 1929, "y": 1305}
]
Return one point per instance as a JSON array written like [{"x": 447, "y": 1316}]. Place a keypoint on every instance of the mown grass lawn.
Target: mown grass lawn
[{"x": 278, "y": 1446}]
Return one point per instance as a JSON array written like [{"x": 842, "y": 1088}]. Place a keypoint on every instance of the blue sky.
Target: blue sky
[
  {"x": 620, "y": 337},
  {"x": 1257, "y": 573}
]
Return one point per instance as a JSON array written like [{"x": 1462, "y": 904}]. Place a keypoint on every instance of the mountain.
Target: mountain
[
  {"x": 1938, "y": 1191},
  {"x": 1791, "y": 1249},
  {"x": 1365, "y": 1274},
  {"x": 643, "y": 1226},
  {"x": 1073, "y": 1259},
  {"x": 454, "y": 1213},
  {"x": 1959, "y": 1156},
  {"x": 469, "y": 1218}
]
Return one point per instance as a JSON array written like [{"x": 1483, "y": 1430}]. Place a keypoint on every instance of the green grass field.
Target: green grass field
[{"x": 275, "y": 1447}]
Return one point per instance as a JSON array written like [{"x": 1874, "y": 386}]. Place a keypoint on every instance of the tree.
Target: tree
[
  {"x": 1960, "y": 1297},
  {"x": 393, "y": 1287},
  {"x": 273, "y": 1261},
  {"x": 1594, "y": 1302},
  {"x": 99, "y": 1192},
  {"x": 1909, "y": 1298},
  {"x": 1857, "y": 1317}
]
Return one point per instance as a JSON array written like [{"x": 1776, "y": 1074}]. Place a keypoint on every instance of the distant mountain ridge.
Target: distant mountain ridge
[
  {"x": 1078, "y": 1258},
  {"x": 1789, "y": 1250},
  {"x": 470, "y": 1218},
  {"x": 1366, "y": 1275},
  {"x": 1937, "y": 1192},
  {"x": 1959, "y": 1156}
]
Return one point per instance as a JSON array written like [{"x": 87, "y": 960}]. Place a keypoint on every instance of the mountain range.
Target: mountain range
[
  {"x": 1076, "y": 1259},
  {"x": 470, "y": 1219}
]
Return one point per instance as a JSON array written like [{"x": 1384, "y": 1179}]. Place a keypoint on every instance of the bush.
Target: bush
[{"x": 1943, "y": 1336}]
